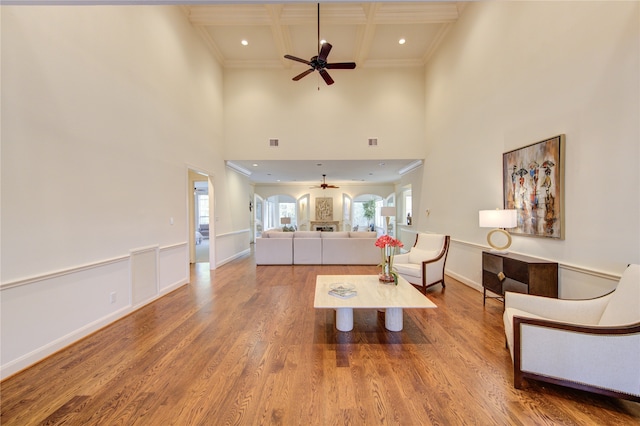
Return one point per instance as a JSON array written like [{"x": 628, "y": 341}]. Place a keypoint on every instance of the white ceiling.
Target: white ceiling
[
  {"x": 310, "y": 172},
  {"x": 365, "y": 33}
]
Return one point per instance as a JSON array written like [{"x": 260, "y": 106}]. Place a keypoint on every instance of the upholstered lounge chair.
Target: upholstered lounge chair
[
  {"x": 591, "y": 345},
  {"x": 423, "y": 265}
]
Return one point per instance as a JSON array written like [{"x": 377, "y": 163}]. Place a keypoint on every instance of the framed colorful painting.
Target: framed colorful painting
[{"x": 533, "y": 184}]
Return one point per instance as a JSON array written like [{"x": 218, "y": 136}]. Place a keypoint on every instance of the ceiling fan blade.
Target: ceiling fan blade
[
  {"x": 299, "y": 76},
  {"x": 324, "y": 52},
  {"x": 293, "y": 58},
  {"x": 341, "y": 66},
  {"x": 325, "y": 75}
]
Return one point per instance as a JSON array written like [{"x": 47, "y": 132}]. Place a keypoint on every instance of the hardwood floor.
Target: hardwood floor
[{"x": 243, "y": 345}]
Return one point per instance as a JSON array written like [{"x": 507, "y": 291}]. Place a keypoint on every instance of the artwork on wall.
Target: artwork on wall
[
  {"x": 324, "y": 208},
  {"x": 533, "y": 184}
]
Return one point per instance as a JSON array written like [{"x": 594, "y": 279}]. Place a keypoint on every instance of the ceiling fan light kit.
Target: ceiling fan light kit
[{"x": 319, "y": 62}]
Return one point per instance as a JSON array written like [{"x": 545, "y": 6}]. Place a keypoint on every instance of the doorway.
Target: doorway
[
  {"x": 201, "y": 235},
  {"x": 201, "y": 220}
]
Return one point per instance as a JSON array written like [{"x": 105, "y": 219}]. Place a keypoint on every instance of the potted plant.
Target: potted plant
[{"x": 369, "y": 210}]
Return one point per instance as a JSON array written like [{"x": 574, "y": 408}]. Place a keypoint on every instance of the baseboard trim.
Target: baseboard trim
[
  {"x": 43, "y": 352},
  {"x": 234, "y": 257},
  {"x": 464, "y": 280}
]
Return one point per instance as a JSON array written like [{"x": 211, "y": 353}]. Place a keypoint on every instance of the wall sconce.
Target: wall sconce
[
  {"x": 387, "y": 213},
  {"x": 498, "y": 219}
]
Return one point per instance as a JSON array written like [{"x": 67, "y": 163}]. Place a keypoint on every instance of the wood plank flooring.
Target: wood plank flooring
[{"x": 243, "y": 345}]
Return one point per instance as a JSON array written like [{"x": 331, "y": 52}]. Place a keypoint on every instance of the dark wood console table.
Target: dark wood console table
[{"x": 518, "y": 273}]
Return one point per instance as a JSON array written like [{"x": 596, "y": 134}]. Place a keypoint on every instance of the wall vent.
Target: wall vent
[
  {"x": 373, "y": 141},
  {"x": 273, "y": 142}
]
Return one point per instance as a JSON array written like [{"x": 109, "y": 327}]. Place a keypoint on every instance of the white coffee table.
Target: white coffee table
[{"x": 372, "y": 294}]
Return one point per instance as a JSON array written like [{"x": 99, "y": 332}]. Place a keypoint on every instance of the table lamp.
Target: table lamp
[
  {"x": 285, "y": 221},
  {"x": 498, "y": 219},
  {"x": 387, "y": 213}
]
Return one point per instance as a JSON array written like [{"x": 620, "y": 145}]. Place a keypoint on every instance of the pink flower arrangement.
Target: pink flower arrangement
[
  {"x": 387, "y": 246},
  {"x": 388, "y": 241}
]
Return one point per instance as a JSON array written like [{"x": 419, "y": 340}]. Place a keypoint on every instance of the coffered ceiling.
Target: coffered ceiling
[
  {"x": 365, "y": 33},
  {"x": 368, "y": 34}
]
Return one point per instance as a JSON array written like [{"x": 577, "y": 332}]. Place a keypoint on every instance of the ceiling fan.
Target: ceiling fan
[
  {"x": 324, "y": 184},
  {"x": 319, "y": 62}
]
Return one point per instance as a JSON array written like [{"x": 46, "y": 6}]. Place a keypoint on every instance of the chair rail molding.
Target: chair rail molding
[{"x": 567, "y": 266}]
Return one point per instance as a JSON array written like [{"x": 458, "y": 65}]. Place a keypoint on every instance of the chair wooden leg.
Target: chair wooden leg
[{"x": 517, "y": 379}]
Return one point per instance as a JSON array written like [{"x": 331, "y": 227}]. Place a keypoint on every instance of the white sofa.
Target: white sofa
[
  {"x": 350, "y": 248},
  {"x": 274, "y": 248},
  {"x": 317, "y": 248},
  {"x": 307, "y": 248}
]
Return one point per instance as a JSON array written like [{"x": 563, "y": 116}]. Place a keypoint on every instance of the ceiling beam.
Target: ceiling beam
[
  {"x": 330, "y": 14},
  {"x": 366, "y": 34},
  {"x": 281, "y": 33}
]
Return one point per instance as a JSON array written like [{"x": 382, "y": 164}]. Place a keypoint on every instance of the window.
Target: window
[
  {"x": 203, "y": 209},
  {"x": 288, "y": 210},
  {"x": 277, "y": 207},
  {"x": 365, "y": 208}
]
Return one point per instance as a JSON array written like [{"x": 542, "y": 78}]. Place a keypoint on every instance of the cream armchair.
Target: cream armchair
[
  {"x": 424, "y": 264},
  {"x": 590, "y": 344}
]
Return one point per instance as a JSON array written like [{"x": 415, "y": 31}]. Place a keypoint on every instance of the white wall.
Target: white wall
[
  {"x": 513, "y": 73},
  {"x": 334, "y": 122},
  {"x": 406, "y": 233},
  {"x": 232, "y": 217},
  {"x": 103, "y": 111}
]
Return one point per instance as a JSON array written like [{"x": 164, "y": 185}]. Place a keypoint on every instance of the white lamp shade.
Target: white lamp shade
[
  {"x": 387, "y": 211},
  {"x": 498, "y": 218}
]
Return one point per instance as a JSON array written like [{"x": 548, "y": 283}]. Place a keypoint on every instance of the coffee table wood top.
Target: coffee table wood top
[{"x": 371, "y": 293}]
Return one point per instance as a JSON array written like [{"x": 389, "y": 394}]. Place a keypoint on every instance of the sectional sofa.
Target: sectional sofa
[{"x": 316, "y": 248}]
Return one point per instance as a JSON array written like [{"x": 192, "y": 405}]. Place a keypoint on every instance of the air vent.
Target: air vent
[
  {"x": 273, "y": 142},
  {"x": 373, "y": 141}
]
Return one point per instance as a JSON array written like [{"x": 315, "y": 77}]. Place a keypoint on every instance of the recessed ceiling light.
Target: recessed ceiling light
[
  {"x": 402, "y": 41},
  {"x": 244, "y": 42},
  {"x": 255, "y": 164}
]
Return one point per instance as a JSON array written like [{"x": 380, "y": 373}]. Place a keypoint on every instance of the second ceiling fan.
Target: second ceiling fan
[
  {"x": 324, "y": 184},
  {"x": 319, "y": 62}
]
